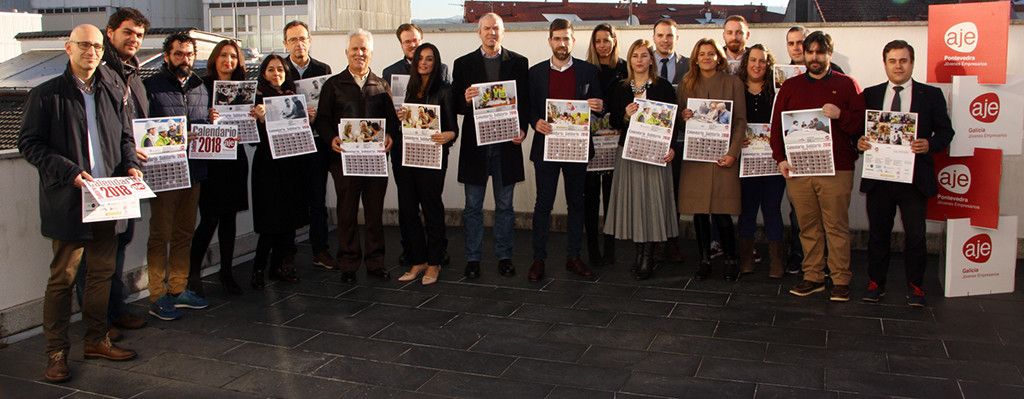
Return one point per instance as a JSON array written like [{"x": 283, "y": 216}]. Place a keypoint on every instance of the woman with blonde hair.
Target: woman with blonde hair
[
  {"x": 711, "y": 190},
  {"x": 611, "y": 70},
  {"x": 641, "y": 205}
]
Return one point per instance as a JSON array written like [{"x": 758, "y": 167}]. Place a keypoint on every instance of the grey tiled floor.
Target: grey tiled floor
[{"x": 562, "y": 338}]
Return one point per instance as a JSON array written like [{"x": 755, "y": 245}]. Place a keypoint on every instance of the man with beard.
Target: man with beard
[
  {"x": 564, "y": 78},
  {"x": 301, "y": 66},
  {"x": 735, "y": 34},
  {"x": 124, "y": 33},
  {"x": 174, "y": 91},
  {"x": 822, "y": 202},
  {"x": 795, "y": 47}
]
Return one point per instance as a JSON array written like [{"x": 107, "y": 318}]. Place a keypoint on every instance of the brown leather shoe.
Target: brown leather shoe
[
  {"x": 103, "y": 349},
  {"x": 536, "y": 271},
  {"x": 57, "y": 367},
  {"x": 114, "y": 334},
  {"x": 577, "y": 266},
  {"x": 128, "y": 321}
]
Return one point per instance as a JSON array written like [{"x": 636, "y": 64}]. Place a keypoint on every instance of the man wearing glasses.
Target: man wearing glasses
[
  {"x": 302, "y": 66},
  {"x": 175, "y": 90},
  {"x": 72, "y": 132}
]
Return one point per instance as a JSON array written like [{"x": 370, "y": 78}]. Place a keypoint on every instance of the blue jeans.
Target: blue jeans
[
  {"x": 764, "y": 193},
  {"x": 115, "y": 306},
  {"x": 504, "y": 216},
  {"x": 547, "y": 185}
]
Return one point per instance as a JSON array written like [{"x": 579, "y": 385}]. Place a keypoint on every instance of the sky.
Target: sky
[{"x": 425, "y": 9}]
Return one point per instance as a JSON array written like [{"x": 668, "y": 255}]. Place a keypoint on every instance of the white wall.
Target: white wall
[
  {"x": 11, "y": 24},
  {"x": 25, "y": 254},
  {"x": 858, "y": 52}
]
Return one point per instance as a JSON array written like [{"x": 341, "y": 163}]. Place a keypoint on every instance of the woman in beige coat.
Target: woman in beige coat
[{"x": 710, "y": 189}]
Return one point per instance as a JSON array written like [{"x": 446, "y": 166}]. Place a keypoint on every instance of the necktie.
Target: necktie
[
  {"x": 896, "y": 101},
  {"x": 664, "y": 69}
]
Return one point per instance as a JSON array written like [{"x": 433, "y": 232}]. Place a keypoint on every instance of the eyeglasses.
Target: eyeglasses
[
  {"x": 182, "y": 54},
  {"x": 85, "y": 46},
  {"x": 293, "y": 40}
]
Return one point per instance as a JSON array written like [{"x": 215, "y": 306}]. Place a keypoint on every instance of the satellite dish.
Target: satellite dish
[{"x": 633, "y": 20}]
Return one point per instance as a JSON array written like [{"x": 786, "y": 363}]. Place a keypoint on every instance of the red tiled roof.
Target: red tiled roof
[
  {"x": 647, "y": 13},
  {"x": 876, "y": 10}
]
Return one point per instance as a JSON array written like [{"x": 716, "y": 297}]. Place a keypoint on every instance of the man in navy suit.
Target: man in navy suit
[
  {"x": 934, "y": 132},
  {"x": 671, "y": 66},
  {"x": 565, "y": 78}
]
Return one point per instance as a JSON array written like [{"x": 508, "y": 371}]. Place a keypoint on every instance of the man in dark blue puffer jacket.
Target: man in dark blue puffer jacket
[{"x": 176, "y": 90}]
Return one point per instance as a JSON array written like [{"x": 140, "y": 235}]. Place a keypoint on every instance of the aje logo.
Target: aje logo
[
  {"x": 985, "y": 108},
  {"x": 978, "y": 249},
  {"x": 955, "y": 178},
  {"x": 962, "y": 37}
]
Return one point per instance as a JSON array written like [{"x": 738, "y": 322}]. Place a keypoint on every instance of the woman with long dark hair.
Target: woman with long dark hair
[
  {"x": 611, "y": 70},
  {"x": 764, "y": 192},
  {"x": 226, "y": 191},
  {"x": 279, "y": 201},
  {"x": 420, "y": 188},
  {"x": 641, "y": 208},
  {"x": 710, "y": 191}
]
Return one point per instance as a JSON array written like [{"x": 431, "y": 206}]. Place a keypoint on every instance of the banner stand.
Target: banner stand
[{"x": 979, "y": 261}]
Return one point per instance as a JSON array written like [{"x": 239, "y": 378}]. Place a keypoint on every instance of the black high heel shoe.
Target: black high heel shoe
[
  {"x": 258, "y": 282},
  {"x": 703, "y": 269},
  {"x": 229, "y": 284},
  {"x": 732, "y": 269}
]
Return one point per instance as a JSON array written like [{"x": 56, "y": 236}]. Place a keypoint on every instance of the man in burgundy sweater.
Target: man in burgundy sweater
[
  {"x": 564, "y": 78},
  {"x": 822, "y": 202}
]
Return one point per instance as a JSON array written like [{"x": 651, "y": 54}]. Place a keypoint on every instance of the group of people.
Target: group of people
[{"x": 642, "y": 202}]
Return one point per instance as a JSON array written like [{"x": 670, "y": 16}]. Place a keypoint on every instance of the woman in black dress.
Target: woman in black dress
[
  {"x": 279, "y": 200},
  {"x": 226, "y": 190},
  {"x": 603, "y": 52},
  {"x": 420, "y": 188}
]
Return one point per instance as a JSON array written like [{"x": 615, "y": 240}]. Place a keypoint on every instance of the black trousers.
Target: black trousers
[
  {"x": 597, "y": 191},
  {"x": 421, "y": 214},
  {"x": 275, "y": 247},
  {"x": 209, "y": 222},
  {"x": 882, "y": 203}
]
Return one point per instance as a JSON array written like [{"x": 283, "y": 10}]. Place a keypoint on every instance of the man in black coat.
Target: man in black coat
[
  {"x": 124, "y": 33},
  {"x": 934, "y": 132},
  {"x": 565, "y": 78},
  {"x": 174, "y": 91},
  {"x": 301, "y": 66},
  {"x": 502, "y": 162},
  {"x": 74, "y": 129},
  {"x": 357, "y": 92},
  {"x": 410, "y": 36}
]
